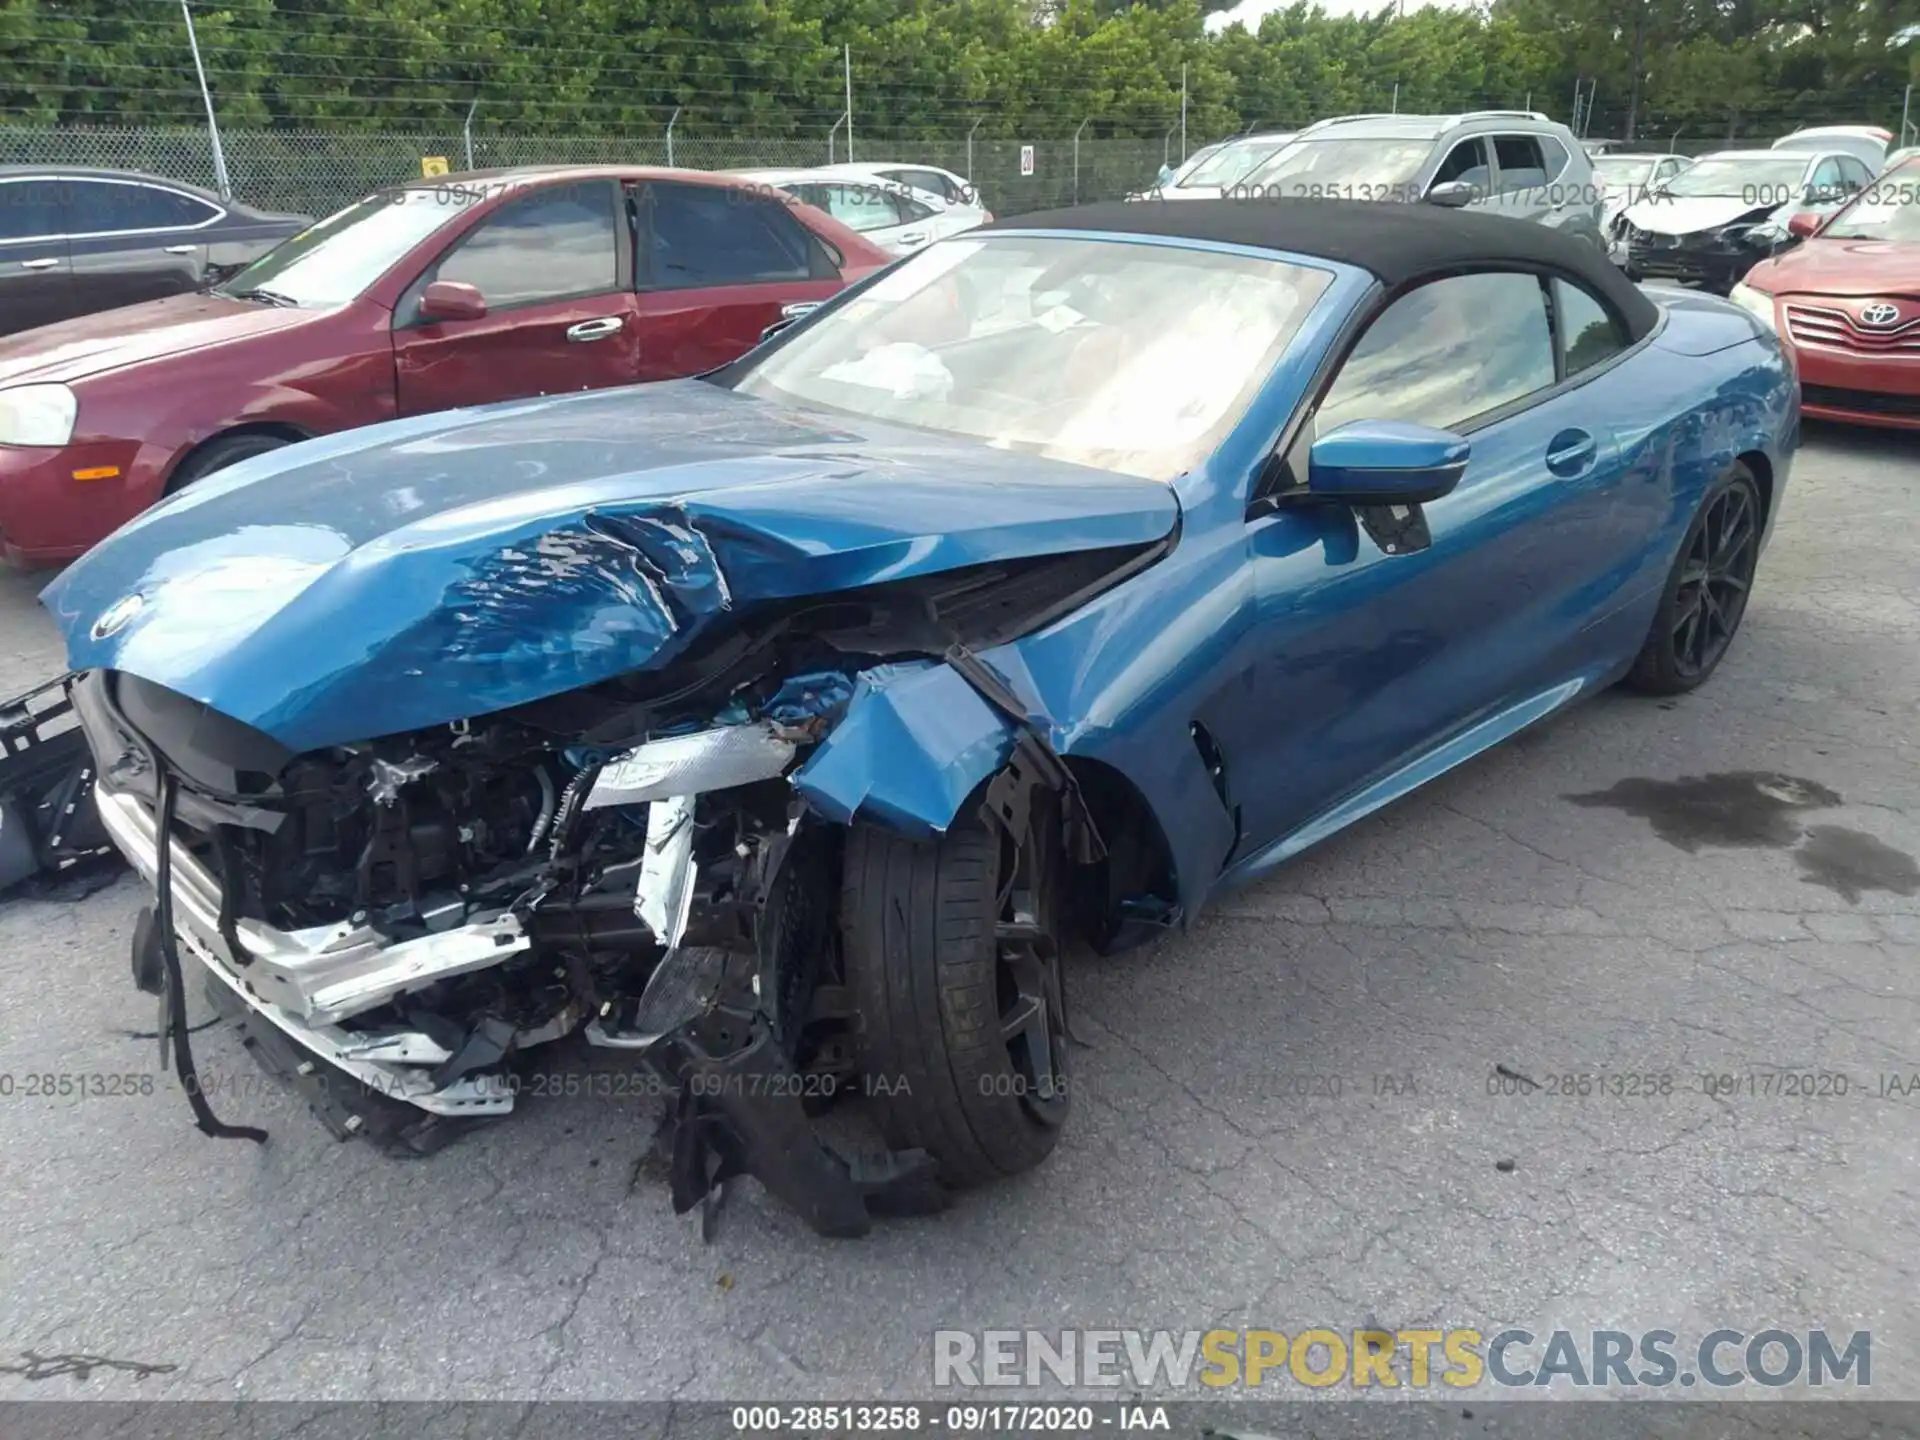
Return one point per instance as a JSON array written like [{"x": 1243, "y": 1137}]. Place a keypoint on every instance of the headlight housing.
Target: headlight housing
[
  {"x": 1757, "y": 303},
  {"x": 39, "y": 415}
]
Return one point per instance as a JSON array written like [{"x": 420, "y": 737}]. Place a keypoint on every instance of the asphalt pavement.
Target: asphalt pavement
[{"x": 1351, "y": 1096}]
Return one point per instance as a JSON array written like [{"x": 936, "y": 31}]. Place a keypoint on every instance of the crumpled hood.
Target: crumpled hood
[
  {"x": 429, "y": 570},
  {"x": 1690, "y": 214},
  {"x": 1843, "y": 267},
  {"x": 71, "y": 350}
]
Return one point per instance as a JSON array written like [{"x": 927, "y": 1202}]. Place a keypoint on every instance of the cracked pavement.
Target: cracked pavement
[{"x": 1211, "y": 1175}]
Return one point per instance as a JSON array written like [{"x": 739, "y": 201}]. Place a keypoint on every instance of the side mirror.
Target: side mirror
[
  {"x": 451, "y": 300},
  {"x": 1453, "y": 195},
  {"x": 1803, "y": 223},
  {"x": 1385, "y": 462}
]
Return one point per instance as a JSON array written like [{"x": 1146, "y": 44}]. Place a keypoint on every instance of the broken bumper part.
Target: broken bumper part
[
  {"x": 322, "y": 975},
  {"x": 341, "y": 1100},
  {"x": 686, "y": 765},
  {"x": 397, "y": 1063},
  {"x": 740, "y": 1113},
  {"x": 48, "y": 823}
]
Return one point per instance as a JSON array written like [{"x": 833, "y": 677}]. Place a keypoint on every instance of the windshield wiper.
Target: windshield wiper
[{"x": 266, "y": 297}]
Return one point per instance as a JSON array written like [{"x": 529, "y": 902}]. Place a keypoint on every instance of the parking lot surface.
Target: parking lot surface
[{"x": 1351, "y": 1096}]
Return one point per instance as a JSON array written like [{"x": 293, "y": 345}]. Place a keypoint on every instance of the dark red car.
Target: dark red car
[
  {"x": 1847, "y": 299},
  {"x": 448, "y": 292}
]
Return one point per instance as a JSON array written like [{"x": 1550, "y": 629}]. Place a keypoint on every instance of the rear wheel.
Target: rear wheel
[
  {"x": 1706, "y": 594},
  {"x": 953, "y": 962},
  {"x": 219, "y": 454}
]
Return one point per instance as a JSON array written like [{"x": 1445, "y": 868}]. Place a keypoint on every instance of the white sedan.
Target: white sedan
[
  {"x": 897, "y": 218},
  {"x": 958, "y": 192}
]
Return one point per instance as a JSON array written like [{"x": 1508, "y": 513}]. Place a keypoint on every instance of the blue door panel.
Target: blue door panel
[{"x": 1372, "y": 658}]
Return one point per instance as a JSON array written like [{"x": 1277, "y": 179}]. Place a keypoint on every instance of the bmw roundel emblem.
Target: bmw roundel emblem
[
  {"x": 115, "y": 617},
  {"x": 1879, "y": 314}
]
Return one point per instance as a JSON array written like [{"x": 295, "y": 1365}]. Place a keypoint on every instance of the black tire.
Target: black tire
[
  {"x": 219, "y": 454},
  {"x": 929, "y": 974},
  {"x": 1707, "y": 590}
]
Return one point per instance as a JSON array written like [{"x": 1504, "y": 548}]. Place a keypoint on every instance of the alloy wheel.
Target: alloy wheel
[
  {"x": 1715, "y": 580},
  {"x": 1032, "y": 993}
]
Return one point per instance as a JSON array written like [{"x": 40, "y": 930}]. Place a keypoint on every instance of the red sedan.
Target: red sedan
[
  {"x": 456, "y": 291},
  {"x": 1848, "y": 301}
]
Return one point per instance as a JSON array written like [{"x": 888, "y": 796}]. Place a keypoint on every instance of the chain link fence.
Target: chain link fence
[{"x": 317, "y": 172}]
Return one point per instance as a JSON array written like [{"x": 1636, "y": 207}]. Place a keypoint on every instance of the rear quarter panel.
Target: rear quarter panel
[
  {"x": 1742, "y": 390},
  {"x": 1707, "y": 387}
]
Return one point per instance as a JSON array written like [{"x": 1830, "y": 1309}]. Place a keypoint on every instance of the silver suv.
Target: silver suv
[{"x": 1504, "y": 162}]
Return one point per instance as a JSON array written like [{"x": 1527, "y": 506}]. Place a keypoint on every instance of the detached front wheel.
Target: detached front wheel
[{"x": 953, "y": 962}]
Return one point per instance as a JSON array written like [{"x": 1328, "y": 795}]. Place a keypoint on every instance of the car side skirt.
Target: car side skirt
[{"x": 1457, "y": 750}]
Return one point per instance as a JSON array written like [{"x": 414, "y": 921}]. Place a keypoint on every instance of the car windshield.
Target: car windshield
[
  {"x": 1745, "y": 177},
  {"x": 1125, "y": 356},
  {"x": 334, "y": 261},
  {"x": 1626, "y": 171},
  {"x": 1888, "y": 209},
  {"x": 1230, "y": 162},
  {"x": 1308, "y": 164}
]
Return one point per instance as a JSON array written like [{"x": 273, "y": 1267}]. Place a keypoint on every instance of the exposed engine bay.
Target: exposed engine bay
[{"x": 393, "y": 924}]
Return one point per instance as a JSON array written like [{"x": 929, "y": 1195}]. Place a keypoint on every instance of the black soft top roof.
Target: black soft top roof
[{"x": 1401, "y": 244}]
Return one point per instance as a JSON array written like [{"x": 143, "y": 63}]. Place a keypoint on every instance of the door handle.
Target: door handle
[
  {"x": 914, "y": 237},
  {"x": 39, "y": 264},
  {"x": 596, "y": 329},
  {"x": 1570, "y": 453},
  {"x": 799, "y": 308},
  {"x": 181, "y": 249}
]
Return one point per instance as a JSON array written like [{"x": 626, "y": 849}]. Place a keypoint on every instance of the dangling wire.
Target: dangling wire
[{"x": 183, "y": 1066}]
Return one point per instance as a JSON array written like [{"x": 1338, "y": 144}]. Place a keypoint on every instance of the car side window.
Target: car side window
[
  {"x": 551, "y": 245},
  {"x": 95, "y": 208},
  {"x": 1824, "y": 184},
  {"x": 30, "y": 210},
  {"x": 1466, "y": 162},
  {"x": 1588, "y": 332},
  {"x": 810, "y": 194},
  {"x": 1522, "y": 166},
  {"x": 1553, "y": 154},
  {"x": 1445, "y": 353},
  {"x": 1854, "y": 174},
  {"x": 704, "y": 235},
  {"x": 911, "y": 210},
  {"x": 861, "y": 207},
  {"x": 930, "y": 181}
]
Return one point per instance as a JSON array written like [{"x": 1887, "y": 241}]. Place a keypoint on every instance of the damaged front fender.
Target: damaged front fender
[{"x": 916, "y": 740}]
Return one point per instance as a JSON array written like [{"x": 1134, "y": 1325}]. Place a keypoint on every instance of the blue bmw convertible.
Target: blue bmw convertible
[{"x": 779, "y": 728}]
